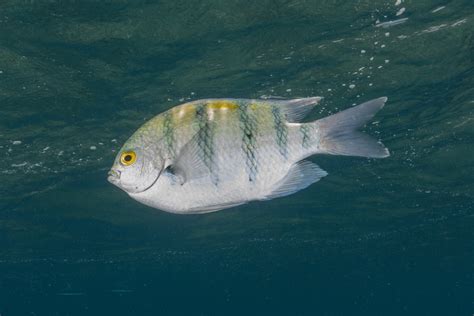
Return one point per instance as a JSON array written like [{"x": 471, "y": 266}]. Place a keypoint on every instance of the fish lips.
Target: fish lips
[{"x": 114, "y": 178}]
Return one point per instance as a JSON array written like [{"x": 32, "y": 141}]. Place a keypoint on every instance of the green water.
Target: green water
[{"x": 375, "y": 237}]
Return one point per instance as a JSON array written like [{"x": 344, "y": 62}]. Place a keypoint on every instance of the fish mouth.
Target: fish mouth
[{"x": 114, "y": 177}]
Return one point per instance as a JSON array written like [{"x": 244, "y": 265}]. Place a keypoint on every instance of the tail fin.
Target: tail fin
[{"x": 339, "y": 135}]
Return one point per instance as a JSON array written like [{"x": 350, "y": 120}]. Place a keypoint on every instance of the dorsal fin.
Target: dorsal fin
[{"x": 296, "y": 109}]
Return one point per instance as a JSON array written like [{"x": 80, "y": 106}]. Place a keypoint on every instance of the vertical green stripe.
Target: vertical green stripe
[
  {"x": 281, "y": 131},
  {"x": 168, "y": 132},
  {"x": 248, "y": 127},
  {"x": 305, "y": 135},
  {"x": 205, "y": 141}
]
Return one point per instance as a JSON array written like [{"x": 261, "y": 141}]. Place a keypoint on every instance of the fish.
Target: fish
[{"x": 212, "y": 154}]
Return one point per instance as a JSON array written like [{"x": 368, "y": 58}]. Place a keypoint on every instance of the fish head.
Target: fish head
[{"x": 135, "y": 169}]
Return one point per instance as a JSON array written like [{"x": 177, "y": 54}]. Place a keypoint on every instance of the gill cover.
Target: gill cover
[{"x": 140, "y": 172}]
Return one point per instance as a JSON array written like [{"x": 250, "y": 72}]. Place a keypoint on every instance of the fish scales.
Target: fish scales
[
  {"x": 249, "y": 130},
  {"x": 281, "y": 131},
  {"x": 213, "y": 154}
]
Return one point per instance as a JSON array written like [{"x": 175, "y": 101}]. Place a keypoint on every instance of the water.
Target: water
[{"x": 375, "y": 237}]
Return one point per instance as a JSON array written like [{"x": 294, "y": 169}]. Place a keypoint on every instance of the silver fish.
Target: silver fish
[{"x": 208, "y": 155}]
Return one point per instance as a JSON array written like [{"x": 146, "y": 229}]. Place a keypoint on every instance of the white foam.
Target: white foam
[
  {"x": 434, "y": 28},
  {"x": 438, "y": 9},
  {"x": 16, "y": 142},
  {"x": 391, "y": 23},
  {"x": 19, "y": 165},
  {"x": 400, "y": 12},
  {"x": 459, "y": 22}
]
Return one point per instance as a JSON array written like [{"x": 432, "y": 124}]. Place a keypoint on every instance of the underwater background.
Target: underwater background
[{"x": 375, "y": 237}]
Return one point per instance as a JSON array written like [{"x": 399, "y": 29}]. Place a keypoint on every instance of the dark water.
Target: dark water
[{"x": 375, "y": 237}]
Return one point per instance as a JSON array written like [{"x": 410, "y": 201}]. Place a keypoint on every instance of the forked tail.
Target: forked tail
[{"x": 338, "y": 133}]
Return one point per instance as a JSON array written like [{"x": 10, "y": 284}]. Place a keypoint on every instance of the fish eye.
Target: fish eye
[{"x": 128, "y": 158}]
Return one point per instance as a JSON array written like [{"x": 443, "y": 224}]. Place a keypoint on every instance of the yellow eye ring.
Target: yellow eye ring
[{"x": 128, "y": 158}]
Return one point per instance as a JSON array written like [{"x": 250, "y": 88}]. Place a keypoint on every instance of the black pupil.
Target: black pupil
[{"x": 128, "y": 158}]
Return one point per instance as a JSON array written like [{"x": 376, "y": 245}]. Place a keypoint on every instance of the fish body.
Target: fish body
[{"x": 213, "y": 154}]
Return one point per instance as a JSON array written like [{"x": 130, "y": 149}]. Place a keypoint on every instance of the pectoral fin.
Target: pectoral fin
[{"x": 189, "y": 165}]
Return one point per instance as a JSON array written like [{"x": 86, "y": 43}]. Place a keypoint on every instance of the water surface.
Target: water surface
[{"x": 375, "y": 237}]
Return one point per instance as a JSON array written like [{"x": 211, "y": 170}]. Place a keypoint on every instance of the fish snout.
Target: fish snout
[{"x": 114, "y": 176}]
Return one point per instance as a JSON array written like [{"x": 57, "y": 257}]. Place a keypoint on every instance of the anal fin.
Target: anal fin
[
  {"x": 213, "y": 208},
  {"x": 301, "y": 175}
]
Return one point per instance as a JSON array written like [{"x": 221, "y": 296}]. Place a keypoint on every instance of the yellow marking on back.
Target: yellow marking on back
[
  {"x": 154, "y": 124},
  {"x": 254, "y": 106},
  {"x": 185, "y": 111},
  {"x": 222, "y": 105}
]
